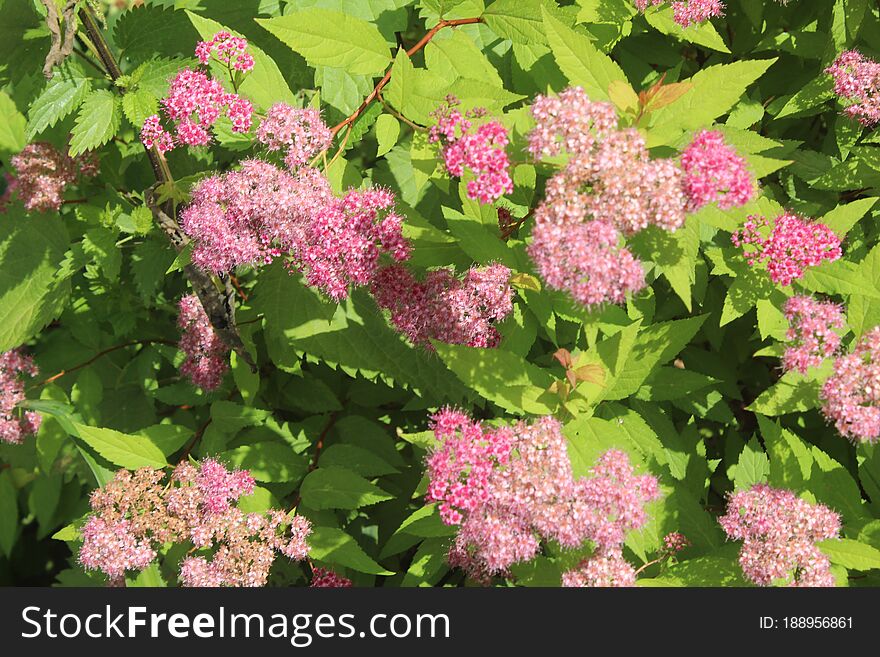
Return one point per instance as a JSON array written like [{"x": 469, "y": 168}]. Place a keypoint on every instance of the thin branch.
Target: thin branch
[
  {"x": 100, "y": 354},
  {"x": 215, "y": 294},
  {"x": 319, "y": 447},
  {"x": 351, "y": 118}
]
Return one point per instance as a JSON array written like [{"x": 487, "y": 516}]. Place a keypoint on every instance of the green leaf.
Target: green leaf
[
  {"x": 12, "y": 126},
  {"x": 138, "y": 105},
  {"x": 268, "y": 461},
  {"x": 500, "y": 376},
  {"x": 521, "y": 21},
  {"x": 333, "y": 546},
  {"x": 339, "y": 488},
  {"x": 9, "y": 517},
  {"x": 703, "y": 34},
  {"x": 581, "y": 62},
  {"x": 31, "y": 252},
  {"x": 814, "y": 93},
  {"x": 716, "y": 89},
  {"x": 791, "y": 394},
  {"x": 149, "y": 577},
  {"x": 839, "y": 277},
  {"x": 844, "y": 217},
  {"x": 752, "y": 468},
  {"x": 264, "y": 84},
  {"x": 851, "y": 554},
  {"x": 387, "y": 132},
  {"x": 362, "y": 461},
  {"x": 167, "y": 437},
  {"x": 127, "y": 451},
  {"x": 62, "y": 95},
  {"x": 97, "y": 121},
  {"x": 332, "y": 38}
]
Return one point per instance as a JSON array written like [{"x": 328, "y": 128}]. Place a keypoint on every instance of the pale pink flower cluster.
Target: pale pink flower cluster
[
  {"x": 480, "y": 149},
  {"x": 226, "y": 49},
  {"x": 609, "y": 188},
  {"x": 445, "y": 307},
  {"x": 42, "y": 173},
  {"x": 715, "y": 173},
  {"x": 688, "y": 12},
  {"x": 327, "y": 579},
  {"x": 137, "y": 513},
  {"x": 811, "y": 333},
  {"x": 259, "y": 212},
  {"x": 779, "y": 532},
  {"x": 205, "y": 353},
  {"x": 605, "y": 569},
  {"x": 15, "y": 423},
  {"x": 301, "y": 132},
  {"x": 511, "y": 487},
  {"x": 857, "y": 83},
  {"x": 195, "y": 102},
  {"x": 851, "y": 395},
  {"x": 794, "y": 244}
]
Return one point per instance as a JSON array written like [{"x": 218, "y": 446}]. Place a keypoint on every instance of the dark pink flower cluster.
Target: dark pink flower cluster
[
  {"x": 688, "y": 12},
  {"x": 42, "y": 173},
  {"x": 480, "y": 149},
  {"x": 715, "y": 173},
  {"x": 15, "y": 424},
  {"x": 851, "y": 395},
  {"x": 137, "y": 513},
  {"x": 445, "y": 307},
  {"x": 195, "y": 102},
  {"x": 301, "y": 132},
  {"x": 205, "y": 353},
  {"x": 811, "y": 333},
  {"x": 794, "y": 243},
  {"x": 259, "y": 212},
  {"x": 509, "y": 488},
  {"x": 327, "y": 579},
  {"x": 779, "y": 532},
  {"x": 226, "y": 49},
  {"x": 610, "y": 188},
  {"x": 857, "y": 83}
]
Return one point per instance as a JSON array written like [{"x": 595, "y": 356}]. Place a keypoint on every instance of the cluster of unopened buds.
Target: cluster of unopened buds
[
  {"x": 793, "y": 244},
  {"x": 205, "y": 354},
  {"x": 42, "y": 173},
  {"x": 478, "y": 148},
  {"x": 851, "y": 395},
  {"x": 196, "y": 101},
  {"x": 137, "y": 514},
  {"x": 323, "y": 578},
  {"x": 813, "y": 332},
  {"x": 511, "y": 487},
  {"x": 779, "y": 532},
  {"x": 857, "y": 84},
  {"x": 15, "y": 423}
]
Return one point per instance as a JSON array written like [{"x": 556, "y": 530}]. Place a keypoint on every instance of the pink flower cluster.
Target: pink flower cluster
[
  {"x": 609, "y": 188},
  {"x": 260, "y": 212},
  {"x": 857, "y": 83},
  {"x": 851, "y": 395},
  {"x": 480, "y": 149},
  {"x": 327, "y": 579},
  {"x": 811, "y": 333},
  {"x": 779, "y": 532},
  {"x": 195, "y": 102},
  {"x": 205, "y": 353},
  {"x": 137, "y": 513},
  {"x": 15, "y": 424},
  {"x": 688, "y": 12},
  {"x": 42, "y": 173},
  {"x": 226, "y": 49},
  {"x": 509, "y": 488},
  {"x": 715, "y": 173},
  {"x": 301, "y": 132},
  {"x": 444, "y": 307},
  {"x": 794, "y": 243}
]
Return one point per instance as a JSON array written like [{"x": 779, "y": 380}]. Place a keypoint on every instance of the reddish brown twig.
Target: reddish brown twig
[{"x": 101, "y": 354}]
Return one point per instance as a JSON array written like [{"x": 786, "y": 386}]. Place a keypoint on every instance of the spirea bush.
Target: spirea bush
[{"x": 440, "y": 293}]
